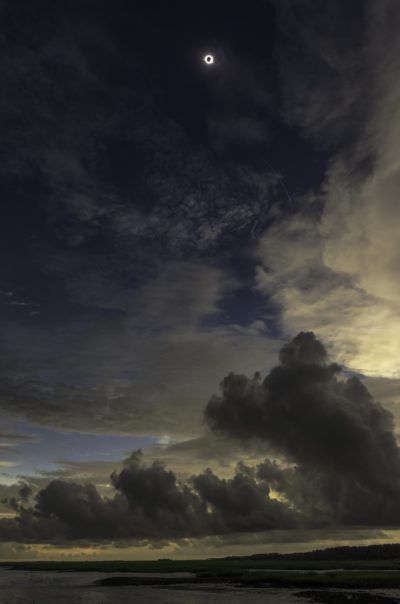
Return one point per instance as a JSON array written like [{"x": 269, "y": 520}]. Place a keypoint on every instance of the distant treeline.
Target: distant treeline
[{"x": 363, "y": 552}]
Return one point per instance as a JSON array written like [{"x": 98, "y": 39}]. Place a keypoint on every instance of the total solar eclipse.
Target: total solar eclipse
[{"x": 202, "y": 268}]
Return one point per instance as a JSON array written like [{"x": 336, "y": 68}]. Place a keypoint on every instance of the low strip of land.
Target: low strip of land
[
  {"x": 349, "y": 574},
  {"x": 349, "y": 568}
]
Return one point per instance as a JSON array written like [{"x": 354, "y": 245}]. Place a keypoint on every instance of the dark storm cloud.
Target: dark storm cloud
[
  {"x": 242, "y": 503},
  {"x": 338, "y": 466},
  {"x": 149, "y": 505},
  {"x": 341, "y": 439}
]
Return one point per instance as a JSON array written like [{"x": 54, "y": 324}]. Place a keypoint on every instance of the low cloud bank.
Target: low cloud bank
[{"x": 337, "y": 464}]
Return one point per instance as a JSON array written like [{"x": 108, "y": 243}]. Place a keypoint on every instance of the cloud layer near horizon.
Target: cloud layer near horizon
[{"x": 336, "y": 463}]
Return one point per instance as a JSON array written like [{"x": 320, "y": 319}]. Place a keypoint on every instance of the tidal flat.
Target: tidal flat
[{"x": 213, "y": 580}]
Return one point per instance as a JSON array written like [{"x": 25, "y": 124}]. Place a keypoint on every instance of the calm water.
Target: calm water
[{"x": 24, "y": 587}]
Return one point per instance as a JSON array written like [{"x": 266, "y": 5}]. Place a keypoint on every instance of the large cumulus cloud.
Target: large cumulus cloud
[
  {"x": 340, "y": 440},
  {"x": 334, "y": 462}
]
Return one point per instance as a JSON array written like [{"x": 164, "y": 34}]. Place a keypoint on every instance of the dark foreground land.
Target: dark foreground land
[{"x": 318, "y": 572}]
